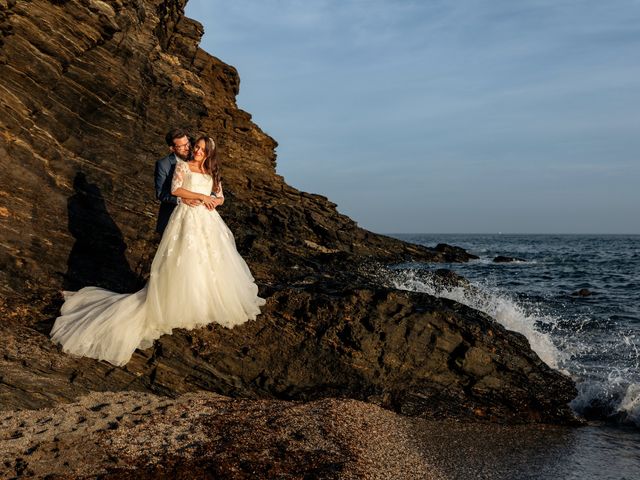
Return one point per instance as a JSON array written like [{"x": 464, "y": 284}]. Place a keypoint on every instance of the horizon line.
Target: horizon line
[{"x": 508, "y": 233}]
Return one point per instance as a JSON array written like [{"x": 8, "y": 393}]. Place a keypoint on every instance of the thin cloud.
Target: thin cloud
[{"x": 357, "y": 90}]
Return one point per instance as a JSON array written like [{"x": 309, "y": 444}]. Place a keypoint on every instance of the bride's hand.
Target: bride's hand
[
  {"x": 208, "y": 202},
  {"x": 216, "y": 203}
]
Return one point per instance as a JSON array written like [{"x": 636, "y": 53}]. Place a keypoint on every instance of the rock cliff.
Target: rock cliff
[{"x": 87, "y": 90}]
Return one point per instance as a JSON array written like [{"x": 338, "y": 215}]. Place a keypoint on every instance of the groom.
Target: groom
[{"x": 179, "y": 145}]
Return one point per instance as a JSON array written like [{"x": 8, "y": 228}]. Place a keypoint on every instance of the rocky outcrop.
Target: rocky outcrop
[
  {"x": 455, "y": 252},
  {"x": 408, "y": 352},
  {"x": 88, "y": 90}
]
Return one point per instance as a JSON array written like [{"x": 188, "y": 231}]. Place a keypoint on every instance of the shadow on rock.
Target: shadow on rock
[{"x": 98, "y": 254}]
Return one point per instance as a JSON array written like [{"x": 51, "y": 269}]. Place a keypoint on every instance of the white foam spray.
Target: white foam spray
[
  {"x": 503, "y": 309},
  {"x": 615, "y": 395}
]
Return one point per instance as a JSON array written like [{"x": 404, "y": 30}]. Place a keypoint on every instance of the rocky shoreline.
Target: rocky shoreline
[
  {"x": 90, "y": 87},
  {"x": 408, "y": 352}
]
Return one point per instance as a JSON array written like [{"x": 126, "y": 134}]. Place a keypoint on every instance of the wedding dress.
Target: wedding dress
[{"x": 197, "y": 277}]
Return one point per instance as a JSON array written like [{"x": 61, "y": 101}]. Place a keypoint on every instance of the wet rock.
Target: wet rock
[
  {"x": 448, "y": 278},
  {"x": 435, "y": 282},
  {"x": 583, "y": 292},
  {"x": 455, "y": 253}
]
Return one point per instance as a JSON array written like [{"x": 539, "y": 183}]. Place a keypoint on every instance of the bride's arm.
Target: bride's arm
[
  {"x": 176, "y": 187},
  {"x": 184, "y": 193},
  {"x": 219, "y": 195},
  {"x": 207, "y": 201}
]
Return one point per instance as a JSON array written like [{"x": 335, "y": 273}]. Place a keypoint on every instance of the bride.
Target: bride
[{"x": 197, "y": 277}]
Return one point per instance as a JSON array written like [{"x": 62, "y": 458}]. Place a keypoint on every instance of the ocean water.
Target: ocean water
[{"x": 595, "y": 338}]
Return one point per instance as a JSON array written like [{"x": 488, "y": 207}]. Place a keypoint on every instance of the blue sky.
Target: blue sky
[{"x": 473, "y": 116}]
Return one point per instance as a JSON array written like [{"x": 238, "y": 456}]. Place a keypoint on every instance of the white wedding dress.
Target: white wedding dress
[{"x": 197, "y": 277}]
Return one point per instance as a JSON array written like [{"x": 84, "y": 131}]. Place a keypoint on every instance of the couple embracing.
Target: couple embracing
[
  {"x": 181, "y": 150},
  {"x": 197, "y": 276}
]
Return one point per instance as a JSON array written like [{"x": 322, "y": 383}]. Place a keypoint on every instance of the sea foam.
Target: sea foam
[
  {"x": 503, "y": 309},
  {"x": 614, "y": 397}
]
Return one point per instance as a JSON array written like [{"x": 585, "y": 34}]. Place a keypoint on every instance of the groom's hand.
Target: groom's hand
[{"x": 192, "y": 202}]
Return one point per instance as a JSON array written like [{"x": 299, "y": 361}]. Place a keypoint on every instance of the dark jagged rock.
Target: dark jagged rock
[
  {"x": 583, "y": 292},
  {"x": 455, "y": 254},
  {"x": 448, "y": 278},
  {"x": 505, "y": 259},
  {"x": 439, "y": 279},
  {"x": 88, "y": 90},
  {"x": 410, "y": 352}
]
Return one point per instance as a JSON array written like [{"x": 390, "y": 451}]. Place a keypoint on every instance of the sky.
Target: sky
[{"x": 436, "y": 116}]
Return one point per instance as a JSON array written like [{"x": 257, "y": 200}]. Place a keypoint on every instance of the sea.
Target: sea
[{"x": 577, "y": 300}]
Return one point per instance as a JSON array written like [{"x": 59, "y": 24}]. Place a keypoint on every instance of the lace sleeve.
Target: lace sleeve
[{"x": 178, "y": 175}]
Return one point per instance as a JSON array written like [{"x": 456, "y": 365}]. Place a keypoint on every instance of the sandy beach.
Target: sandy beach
[{"x": 204, "y": 435}]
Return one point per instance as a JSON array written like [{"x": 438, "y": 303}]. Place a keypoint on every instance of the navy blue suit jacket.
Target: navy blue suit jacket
[{"x": 163, "y": 176}]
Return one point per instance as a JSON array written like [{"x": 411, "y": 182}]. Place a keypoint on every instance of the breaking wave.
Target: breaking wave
[{"x": 614, "y": 396}]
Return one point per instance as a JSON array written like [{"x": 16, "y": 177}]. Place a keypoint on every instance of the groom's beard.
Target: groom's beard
[{"x": 183, "y": 156}]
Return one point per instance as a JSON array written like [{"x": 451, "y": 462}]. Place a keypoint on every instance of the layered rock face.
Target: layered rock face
[{"x": 87, "y": 91}]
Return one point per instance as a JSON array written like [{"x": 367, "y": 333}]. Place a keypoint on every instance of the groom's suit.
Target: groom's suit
[{"x": 163, "y": 176}]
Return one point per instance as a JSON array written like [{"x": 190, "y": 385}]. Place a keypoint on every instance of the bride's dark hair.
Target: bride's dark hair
[{"x": 211, "y": 165}]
